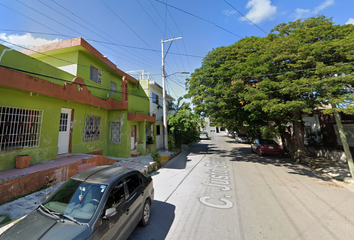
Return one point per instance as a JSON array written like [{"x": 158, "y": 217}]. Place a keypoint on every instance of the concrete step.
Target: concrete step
[{"x": 135, "y": 154}]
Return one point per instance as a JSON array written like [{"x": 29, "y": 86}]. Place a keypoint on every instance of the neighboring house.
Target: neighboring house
[
  {"x": 321, "y": 132},
  {"x": 208, "y": 126},
  {"x": 155, "y": 93},
  {"x": 66, "y": 97}
]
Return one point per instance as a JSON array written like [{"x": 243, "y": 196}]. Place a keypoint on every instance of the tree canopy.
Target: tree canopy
[{"x": 267, "y": 82}]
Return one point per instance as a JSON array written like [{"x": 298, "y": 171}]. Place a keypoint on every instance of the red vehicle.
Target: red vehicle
[{"x": 266, "y": 146}]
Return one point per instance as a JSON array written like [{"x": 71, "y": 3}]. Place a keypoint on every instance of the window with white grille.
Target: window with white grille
[
  {"x": 92, "y": 128},
  {"x": 19, "y": 128},
  {"x": 95, "y": 75},
  {"x": 115, "y": 132}
]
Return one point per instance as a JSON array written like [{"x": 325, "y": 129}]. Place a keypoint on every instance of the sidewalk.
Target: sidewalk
[
  {"x": 337, "y": 170},
  {"x": 23, "y": 206}
]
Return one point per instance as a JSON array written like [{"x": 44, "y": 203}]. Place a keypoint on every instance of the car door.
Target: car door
[
  {"x": 135, "y": 199},
  {"x": 116, "y": 226}
]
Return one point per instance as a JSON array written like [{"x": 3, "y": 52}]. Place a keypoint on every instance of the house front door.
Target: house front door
[
  {"x": 132, "y": 137},
  {"x": 64, "y": 131}
]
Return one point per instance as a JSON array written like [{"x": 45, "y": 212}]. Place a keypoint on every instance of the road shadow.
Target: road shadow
[
  {"x": 162, "y": 217},
  {"x": 243, "y": 154},
  {"x": 204, "y": 147}
]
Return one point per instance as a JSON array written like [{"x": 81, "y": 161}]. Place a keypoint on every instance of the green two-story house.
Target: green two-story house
[{"x": 66, "y": 97}]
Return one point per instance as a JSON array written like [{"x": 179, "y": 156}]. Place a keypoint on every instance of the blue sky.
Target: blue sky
[{"x": 129, "y": 32}]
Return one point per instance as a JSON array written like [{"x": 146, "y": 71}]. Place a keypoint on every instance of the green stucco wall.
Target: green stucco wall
[
  {"x": 21, "y": 61},
  {"x": 121, "y": 149},
  {"x": 138, "y": 100},
  {"x": 48, "y": 147},
  {"x": 85, "y": 60}
]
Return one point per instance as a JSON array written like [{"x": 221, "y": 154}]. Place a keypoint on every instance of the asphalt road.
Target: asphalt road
[{"x": 219, "y": 190}]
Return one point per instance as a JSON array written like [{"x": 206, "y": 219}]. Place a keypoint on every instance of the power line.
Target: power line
[
  {"x": 150, "y": 17},
  {"x": 161, "y": 17},
  {"x": 98, "y": 30},
  {"x": 127, "y": 25},
  {"x": 279, "y": 73},
  {"x": 64, "y": 80},
  {"x": 203, "y": 19},
  {"x": 30, "y": 18},
  {"x": 246, "y": 17},
  {"x": 62, "y": 25},
  {"x": 94, "y": 40},
  {"x": 81, "y": 26}
]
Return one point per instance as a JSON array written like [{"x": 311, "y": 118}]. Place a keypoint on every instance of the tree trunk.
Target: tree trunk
[
  {"x": 299, "y": 150},
  {"x": 345, "y": 144}
]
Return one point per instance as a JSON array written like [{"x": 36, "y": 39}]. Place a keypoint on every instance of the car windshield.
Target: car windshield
[
  {"x": 266, "y": 141},
  {"x": 76, "y": 199},
  {"x": 242, "y": 135}
]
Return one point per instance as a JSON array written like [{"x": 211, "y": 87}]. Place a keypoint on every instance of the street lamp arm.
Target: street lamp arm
[{"x": 176, "y": 73}]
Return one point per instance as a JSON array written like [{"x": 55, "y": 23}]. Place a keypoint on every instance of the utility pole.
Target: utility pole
[{"x": 165, "y": 133}]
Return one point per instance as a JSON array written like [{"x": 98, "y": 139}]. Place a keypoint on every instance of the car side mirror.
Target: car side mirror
[{"x": 109, "y": 213}]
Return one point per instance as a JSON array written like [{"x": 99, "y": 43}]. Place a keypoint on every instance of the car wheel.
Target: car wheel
[
  {"x": 259, "y": 152},
  {"x": 252, "y": 150},
  {"x": 146, "y": 214}
]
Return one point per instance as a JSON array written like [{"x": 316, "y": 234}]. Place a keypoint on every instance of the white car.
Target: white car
[{"x": 204, "y": 135}]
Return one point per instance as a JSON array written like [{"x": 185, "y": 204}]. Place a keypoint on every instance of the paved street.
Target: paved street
[{"x": 219, "y": 190}]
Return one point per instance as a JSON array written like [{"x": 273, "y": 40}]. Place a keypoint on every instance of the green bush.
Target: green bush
[{"x": 157, "y": 158}]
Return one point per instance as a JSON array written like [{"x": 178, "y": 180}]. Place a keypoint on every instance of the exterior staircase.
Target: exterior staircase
[
  {"x": 84, "y": 165},
  {"x": 135, "y": 153}
]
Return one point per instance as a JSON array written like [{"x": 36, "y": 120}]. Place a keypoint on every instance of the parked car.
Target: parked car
[
  {"x": 231, "y": 134},
  {"x": 265, "y": 146},
  {"x": 242, "y": 138},
  {"x": 105, "y": 202},
  {"x": 204, "y": 135}
]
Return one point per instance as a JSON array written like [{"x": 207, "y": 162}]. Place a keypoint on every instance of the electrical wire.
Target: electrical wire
[
  {"x": 161, "y": 17},
  {"x": 127, "y": 25},
  {"x": 88, "y": 30},
  {"x": 151, "y": 18},
  {"x": 203, "y": 19},
  {"x": 94, "y": 40},
  {"x": 64, "y": 80},
  {"x": 246, "y": 18},
  {"x": 30, "y": 18}
]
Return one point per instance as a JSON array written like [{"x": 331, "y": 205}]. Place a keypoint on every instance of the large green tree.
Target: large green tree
[
  {"x": 184, "y": 126},
  {"x": 272, "y": 81}
]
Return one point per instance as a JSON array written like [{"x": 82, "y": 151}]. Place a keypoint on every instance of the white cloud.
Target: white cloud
[
  {"x": 260, "y": 10},
  {"x": 322, "y": 6},
  {"x": 229, "y": 13},
  {"x": 350, "y": 21},
  {"x": 25, "y": 40},
  {"x": 299, "y": 12}
]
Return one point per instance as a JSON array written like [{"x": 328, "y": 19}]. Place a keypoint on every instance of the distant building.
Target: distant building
[{"x": 155, "y": 93}]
